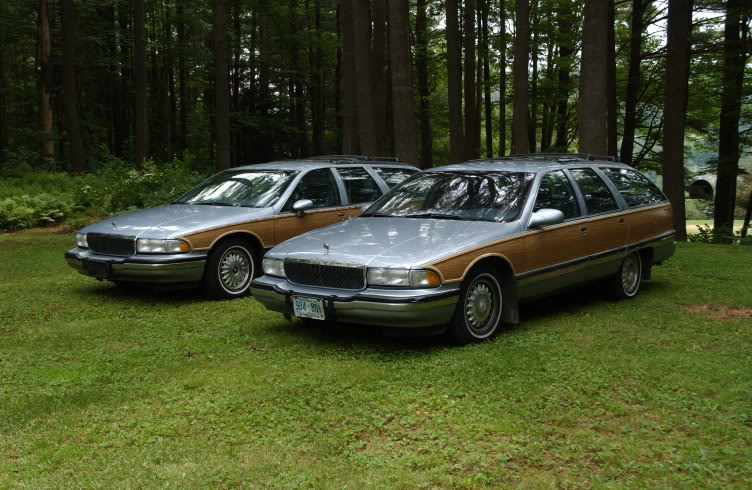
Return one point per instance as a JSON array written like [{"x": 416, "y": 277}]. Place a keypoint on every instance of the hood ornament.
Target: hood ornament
[
  {"x": 326, "y": 247},
  {"x": 114, "y": 225}
]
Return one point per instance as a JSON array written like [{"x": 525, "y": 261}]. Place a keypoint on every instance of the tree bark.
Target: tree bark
[
  {"x": 488, "y": 112},
  {"x": 379, "y": 77},
  {"x": 520, "y": 143},
  {"x": 471, "y": 109},
  {"x": 317, "y": 99},
  {"x": 366, "y": 105},
  {"x": 532, "y": 129},
  {"x": 747, "y": 217},
  {"x": 350, "y": 108},
  {"x": 454, "y": 83},
  {"x": 140, "y": 108},
  {"x": 502, "y": 78},
  {"x": 633, "y": 80},
  {"x": 403, "y": 94},
  {"x": 45, "y": 82},
  {"x": 728, "y": 140},
  {"x": 592, "y": 119},
  {"x": 566, "y": 50},
  {"x": 611, "y": 106},
  {"x": 338, "y": 75},
  {"x": 182, "y": 77},
  {"x": 70, "y": 90},
  {"x": 221, "y": 88},
  {"x": 677, "y": 76},
  {"x": 421, "y": 67}
]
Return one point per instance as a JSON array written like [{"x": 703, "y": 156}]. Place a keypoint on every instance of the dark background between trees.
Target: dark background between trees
[{"x": 231, "y": 82}]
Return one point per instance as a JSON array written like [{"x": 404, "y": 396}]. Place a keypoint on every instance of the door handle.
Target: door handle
[
  {"x": 583, "y": 228},
  {"x": 340, "y": 213},
  {"x": 621, "y": 220}
]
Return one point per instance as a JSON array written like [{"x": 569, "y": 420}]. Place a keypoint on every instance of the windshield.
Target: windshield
[
  {"x": 247, "y": 188},
  {"x": 476, "y": 196}
]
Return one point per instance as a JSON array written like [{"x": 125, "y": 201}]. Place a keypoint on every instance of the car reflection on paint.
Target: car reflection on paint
[{"x": 457, "y": 248}]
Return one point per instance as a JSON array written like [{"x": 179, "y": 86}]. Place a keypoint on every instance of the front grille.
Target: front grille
[
  {"x": 308, "y": 273},
  {"x": 102, "y": 243}
]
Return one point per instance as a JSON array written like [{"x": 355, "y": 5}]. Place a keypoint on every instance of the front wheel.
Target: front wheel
[
  {"x": 626, "y": 283},
  {"x": 230, "y": 269},
  {"x": 479, "y": 310}
]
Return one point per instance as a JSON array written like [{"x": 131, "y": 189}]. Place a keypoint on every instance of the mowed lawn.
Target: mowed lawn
[{"x": 102, "y": 387}]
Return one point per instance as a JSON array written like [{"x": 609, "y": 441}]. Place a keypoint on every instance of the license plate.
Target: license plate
[
  {"x": 97, "y": 269},
  {"x": 308, "y": 308}
]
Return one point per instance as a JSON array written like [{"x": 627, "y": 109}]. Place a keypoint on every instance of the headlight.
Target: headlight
[
  {"x": 160, "y": 246},
  {"x": 81, "y": 240},
  {"x": 274, "y": 267},
  {"x": 381, "y": 276}
]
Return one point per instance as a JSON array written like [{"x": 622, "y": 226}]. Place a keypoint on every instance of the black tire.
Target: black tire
[
  {"x": 626, "y": 282},
  {"x": 231, "y": 267},
  {"x": 480, "y": 308}
]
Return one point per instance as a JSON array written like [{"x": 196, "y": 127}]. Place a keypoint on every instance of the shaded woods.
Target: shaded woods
[{"x": 231, "y": 82}]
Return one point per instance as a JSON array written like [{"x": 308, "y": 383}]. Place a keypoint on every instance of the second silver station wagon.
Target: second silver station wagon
[{"x": 462, "y": 245}]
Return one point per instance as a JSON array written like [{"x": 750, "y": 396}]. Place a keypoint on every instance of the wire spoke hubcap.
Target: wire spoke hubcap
[
  {"x": 482, "y": 306},
  {"x": 235, "y": 269},
  {"x": 630, "y": 273}
]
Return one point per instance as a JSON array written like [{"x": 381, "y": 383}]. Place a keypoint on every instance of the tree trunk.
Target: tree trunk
[
  {"x": 317, "y": 99},
  {"x": 728, "y": 142},
  {"x": 45, "y": 82},
  {"x": 592, "y": 119},
  {"x": 221, "y": 88},
  {"x": 488, "y": 112},
  {"x": 236, "y": 75},
  {"x": 421, "y": 67},
  {"x": 350, "y": 108},
  {"x": 182, "y": 77},
  {"x": 611, "y": 106},
  {"x": 471, "y": 109},
  {"x": 566, "y": 50},
  {"x": 454, "y": 83},
  {"x": 677, "y": 77},
  {"x": 532, "y": 130},
  {"x": 70, "y": 90},
  {"x": 338, "y": 75},
  {"x": 140, "y": 109},
  {"x": 379, "y": 77},
  {"x": 502, "y": 78},
  {"x": 367, "y": 116},
  {"x": 633, "y": 80},
  {"x": 403, "y": 95},
  {"x": 747, "y": 217},
  {"x": 520, "y": 143}
]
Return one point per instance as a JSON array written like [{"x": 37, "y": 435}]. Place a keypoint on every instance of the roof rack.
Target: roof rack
[
  {"x": 557, "y": 157},
  {"x": 356, "y": 158}
]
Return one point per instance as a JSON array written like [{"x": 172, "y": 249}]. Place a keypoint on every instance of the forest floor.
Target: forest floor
[
  {"x": 693, "y": 225},
  {"x": 105, "y": 387}
]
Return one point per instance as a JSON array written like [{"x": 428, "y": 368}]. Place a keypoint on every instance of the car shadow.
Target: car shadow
[{"x": 110, "y": 292}]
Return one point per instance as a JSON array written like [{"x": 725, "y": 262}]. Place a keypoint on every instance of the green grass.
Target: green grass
[{"x": 101, "y": 387}]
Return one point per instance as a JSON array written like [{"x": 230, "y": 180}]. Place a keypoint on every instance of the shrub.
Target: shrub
[{"x": 27, "y": 211}]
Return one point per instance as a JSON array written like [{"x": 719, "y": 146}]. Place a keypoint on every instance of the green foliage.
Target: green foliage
[
  {"x": 706, "y": 234},
  {"x": 26, "y": 211},
  {"x": 698, "y": 209}
]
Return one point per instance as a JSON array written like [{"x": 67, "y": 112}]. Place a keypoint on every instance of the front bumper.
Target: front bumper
[
  {"x": 139, "y": 269},
  {"x": 382, "y": 307}
]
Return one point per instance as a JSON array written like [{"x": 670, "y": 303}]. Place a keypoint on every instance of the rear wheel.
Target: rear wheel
[
  {"x": 626, "y": 283},
  {"x": 479, "y": 310},
  {"x": 231, "y": 267}
]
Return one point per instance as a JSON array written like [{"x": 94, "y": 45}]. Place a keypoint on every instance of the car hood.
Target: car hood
[
  {"x": 173, "y": 220},
  {"x": 392, "y": 242}
]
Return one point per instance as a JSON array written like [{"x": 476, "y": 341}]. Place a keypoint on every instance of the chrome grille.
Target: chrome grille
[
  {"x": 323, "y": 275},
  {"x": 102, "y": 243}
]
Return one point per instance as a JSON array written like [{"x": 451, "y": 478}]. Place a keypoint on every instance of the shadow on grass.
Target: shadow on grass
[{"x": 108, "y": 291}]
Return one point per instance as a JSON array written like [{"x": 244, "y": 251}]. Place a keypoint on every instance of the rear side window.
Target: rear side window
[
  {"x": 393, "y": 176},
  {"x": 360, "y": 186},
  {"x": 635, "y": 188},
  {"x": 319, "y": 186},
  {"x": 556, "y": 193},
  {"x": 598, "y": 198}
]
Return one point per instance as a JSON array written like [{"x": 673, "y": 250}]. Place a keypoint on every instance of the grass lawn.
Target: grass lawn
[
  {"x": 693, "y": 225},
  {"x": 102, "y": 387}
]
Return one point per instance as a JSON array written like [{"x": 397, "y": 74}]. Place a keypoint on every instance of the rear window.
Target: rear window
[
  {"x": 635, "y": 188},
  {"x": 393, "y": 176},
  {"x": 360, "y": 186},
  {"x": 598, "y": 199}
]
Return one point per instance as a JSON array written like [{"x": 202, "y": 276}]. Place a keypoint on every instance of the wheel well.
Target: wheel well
[
  {"x": 511, "y": 313},
  {"x": 257, "y": 248}
]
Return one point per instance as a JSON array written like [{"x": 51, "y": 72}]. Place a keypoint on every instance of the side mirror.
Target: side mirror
[
  {"x": 301, "y": 205},
  {"x": 545, "y": 217}
]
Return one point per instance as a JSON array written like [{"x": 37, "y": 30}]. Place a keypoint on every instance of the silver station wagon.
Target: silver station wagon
[
  {"x": 216, "y": 233},
  {"x": 458, "y": 247}
]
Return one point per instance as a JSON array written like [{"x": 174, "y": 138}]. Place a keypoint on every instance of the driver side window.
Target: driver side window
[
  {"x": 317, "y": 185},
  {"x": 556, "y": 193}
]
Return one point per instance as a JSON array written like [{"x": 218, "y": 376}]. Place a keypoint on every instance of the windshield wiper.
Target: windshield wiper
[
  {"x": 434, "y": 215},
  {"x": 215, "y": 203},
  {"x": 376, "y": 215}
]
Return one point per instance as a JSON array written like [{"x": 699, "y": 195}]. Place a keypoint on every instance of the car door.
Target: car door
[
  {"x": 552, "y": 251},
  {"x": 320, "y": 186},
  {"x": 360, "y": 188},
  {"x": 604, "y": 227}
]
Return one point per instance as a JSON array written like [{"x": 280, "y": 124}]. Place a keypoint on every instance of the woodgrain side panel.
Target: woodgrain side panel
[
  {"x": 289, "y": 225},
  {"x": 534, "y": 250},
  {"x": 262, "y": 229}
]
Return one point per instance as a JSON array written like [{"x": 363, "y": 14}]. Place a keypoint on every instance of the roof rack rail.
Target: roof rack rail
[
  {"x": 559, "y": 157},
  {"x": 357, "y": 158}
]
